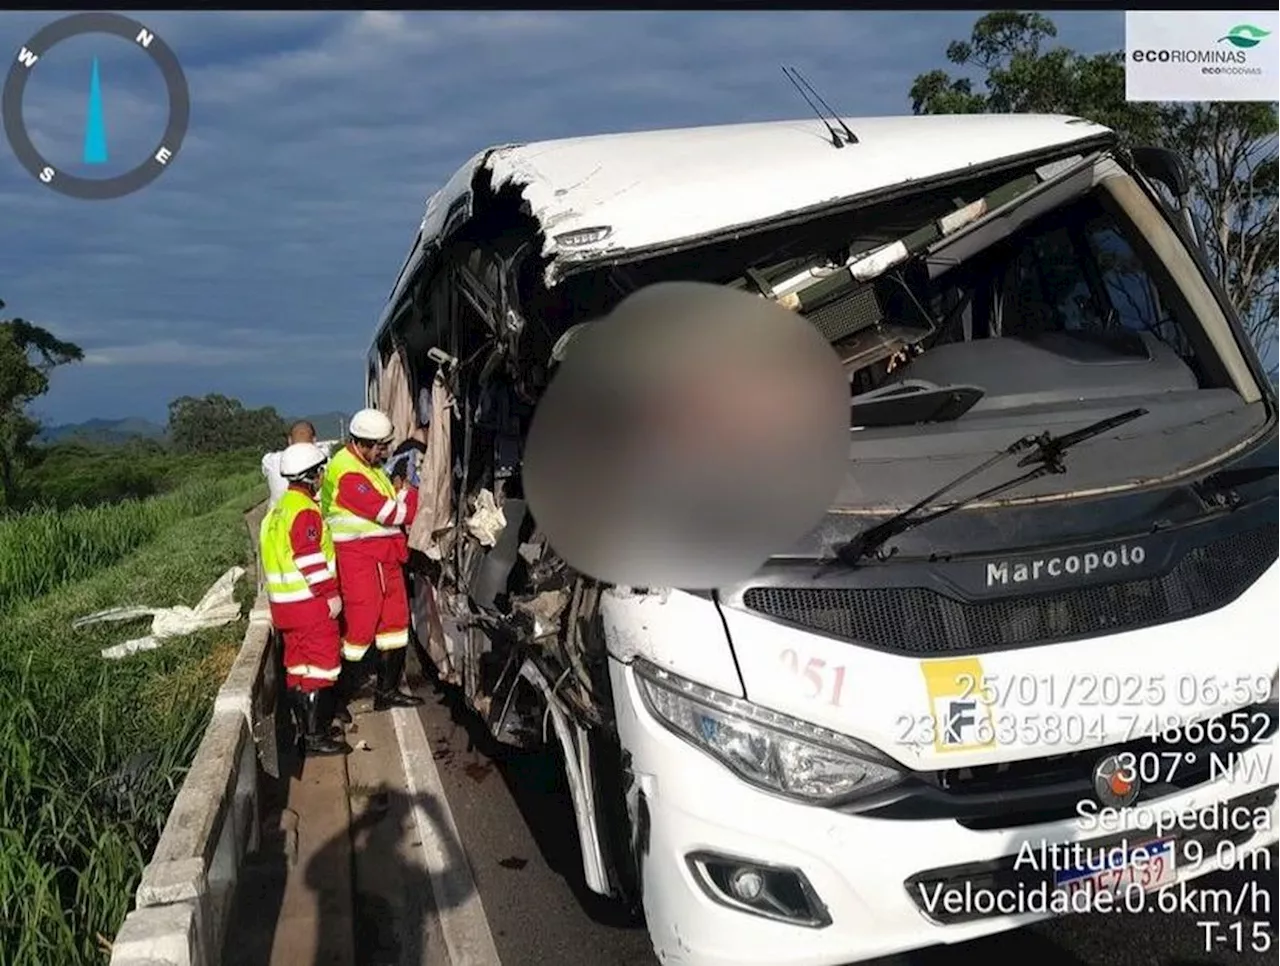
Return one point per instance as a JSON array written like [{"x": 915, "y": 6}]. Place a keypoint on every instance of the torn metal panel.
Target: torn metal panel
[
  {"x": 443, "y": 201},
  {"x": 425, "y": 615},
  {"x": 575, "y": 743},
  {"x": 455, "y": 617},
  {"x": 635, "y": 191},
  {"x": 672, "y": 629},
  {"x": 544, "y": 612},
  {"x": 608, "y": 195}
]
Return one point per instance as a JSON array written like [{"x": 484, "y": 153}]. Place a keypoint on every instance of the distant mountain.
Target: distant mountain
[
  {"x": 328, "y": 425},
  {"x": 102, "y": 431}
]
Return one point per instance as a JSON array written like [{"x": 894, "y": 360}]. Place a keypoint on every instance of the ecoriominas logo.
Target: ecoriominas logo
[
  {"x": 1188, "y": 56},
  {"x": 1201, "y": 55},
  {"x": 1211, "y": 60},
  {"x": 1244, "y": 36}
]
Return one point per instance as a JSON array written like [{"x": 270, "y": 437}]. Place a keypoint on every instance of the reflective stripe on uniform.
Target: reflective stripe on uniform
[
  {"x": 402, "y": 510},
  {"x": 288, "y": 596},
  {"x": 319, "y": 576},
  {"x": 347, "y": 526},
  {"x": 311, "y": 671},
  {"x": 285, "y": 581},
  {"x": 392, "y": 640},
  {"x": 354, "y": 652},
  {"x": 286, "y": 587}
]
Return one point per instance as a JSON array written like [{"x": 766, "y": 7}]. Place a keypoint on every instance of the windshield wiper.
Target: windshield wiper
[{"x": 1046, "y": 453}]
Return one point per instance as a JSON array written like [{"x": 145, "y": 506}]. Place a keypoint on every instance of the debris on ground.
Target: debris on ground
[
  {"x": 217, "y": 608},
  {"x": 477, "y": 771}
]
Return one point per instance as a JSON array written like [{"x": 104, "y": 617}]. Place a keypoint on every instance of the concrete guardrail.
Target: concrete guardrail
[{"x": 187, "y": 890}]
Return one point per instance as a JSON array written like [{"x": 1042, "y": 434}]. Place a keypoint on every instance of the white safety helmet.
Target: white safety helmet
[
  {"x": 371, "y": 425},
  {"x": 299, "y": 460}
]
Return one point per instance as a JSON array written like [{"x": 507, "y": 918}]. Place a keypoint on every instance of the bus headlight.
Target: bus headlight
[{"x": 771, "y": 750}]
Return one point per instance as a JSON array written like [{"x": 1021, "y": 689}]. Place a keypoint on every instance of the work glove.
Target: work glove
[{"x": 335, "y": 607}]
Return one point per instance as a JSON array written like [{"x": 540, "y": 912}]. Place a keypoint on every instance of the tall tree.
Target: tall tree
[
  {"x": 28, "y": 354},
  {"x": 1230, "y": 147},
  {"x": 220, "y": 424}
]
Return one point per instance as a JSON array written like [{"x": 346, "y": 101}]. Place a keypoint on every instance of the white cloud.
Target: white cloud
[
  {"x": 316, "y": 137},
  {"x": 285, "y": 352}
]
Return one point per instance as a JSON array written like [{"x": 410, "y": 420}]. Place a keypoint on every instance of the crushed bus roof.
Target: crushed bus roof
[
  {"x": 654, "y": 187},
  {"x": 651, "y": 189}
]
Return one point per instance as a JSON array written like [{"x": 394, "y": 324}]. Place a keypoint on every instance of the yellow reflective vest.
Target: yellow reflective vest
[
  {"x": 342, "y": 522},
  {"x": 282, "y": 569}
]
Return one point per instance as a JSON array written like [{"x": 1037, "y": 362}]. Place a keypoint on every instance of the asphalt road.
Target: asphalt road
[{"x": 516, "y": 824}]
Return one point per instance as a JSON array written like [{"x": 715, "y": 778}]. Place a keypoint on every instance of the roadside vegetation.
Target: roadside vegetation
[
  {"x": 69, "y": 474},
  {"x": 92, "y": 752},
  {"x": 41, "y": 551}
]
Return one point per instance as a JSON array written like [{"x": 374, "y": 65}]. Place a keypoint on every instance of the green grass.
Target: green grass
[
  {"x": 78, "y": 474},
  {"x": 92, "y": 752},
  {"x": 44, "y": 549}
]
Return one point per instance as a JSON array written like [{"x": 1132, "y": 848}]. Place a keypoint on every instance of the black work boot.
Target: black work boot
[
  {"x": 342, "y": 691},
  {"x": 295, "y": 702},
  {"x": 316, "y": 737},
  {"x": 390, "y": 670},
  {"x": 329, "y": 705},
  {"x": 298, "y": 705}
]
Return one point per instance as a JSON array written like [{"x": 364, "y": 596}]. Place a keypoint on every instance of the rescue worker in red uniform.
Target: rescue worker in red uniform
[
  {"x": 367, "y": 514},
  {"x": 298, "y": 565}
]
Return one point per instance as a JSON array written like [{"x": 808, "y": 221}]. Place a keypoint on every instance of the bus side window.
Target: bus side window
[{"x": 371, "y": 384}]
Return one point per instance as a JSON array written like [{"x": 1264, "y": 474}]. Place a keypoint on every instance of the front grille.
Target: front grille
[
  {"x": 923, "y": 622},
  {"x": 1000, "y": 877}
]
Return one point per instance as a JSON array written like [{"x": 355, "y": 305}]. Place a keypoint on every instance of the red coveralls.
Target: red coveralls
[
  {"x": 312, "y": 647},
  {"x": 375, "y": 605}
]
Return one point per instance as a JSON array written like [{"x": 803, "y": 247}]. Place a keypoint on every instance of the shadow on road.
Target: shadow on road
[
  {"x": 389, "y": 891},
  {"x": 536, "y": 783},
  {"x": 392, "y": 899},
  {"x": 378, "y": 917},
  {"x": 259, "y": 898}
]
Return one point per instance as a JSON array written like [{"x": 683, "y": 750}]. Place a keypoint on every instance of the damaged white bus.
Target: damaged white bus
[{"x": 821, "y": 765}]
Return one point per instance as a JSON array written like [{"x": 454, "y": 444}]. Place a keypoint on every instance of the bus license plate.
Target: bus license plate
[{"x": 1148, "y": 866}]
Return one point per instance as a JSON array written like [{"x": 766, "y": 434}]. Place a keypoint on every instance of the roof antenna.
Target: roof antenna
[
  {"x": 850, "y": 137},
  {"x": 835, "y": 137}
]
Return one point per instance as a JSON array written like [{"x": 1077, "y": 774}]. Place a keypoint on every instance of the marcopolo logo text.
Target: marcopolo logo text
[{"x": 1003, "y": 573}]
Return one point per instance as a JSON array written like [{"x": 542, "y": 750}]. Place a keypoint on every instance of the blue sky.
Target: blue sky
[{"x": 258, "y": 264}]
